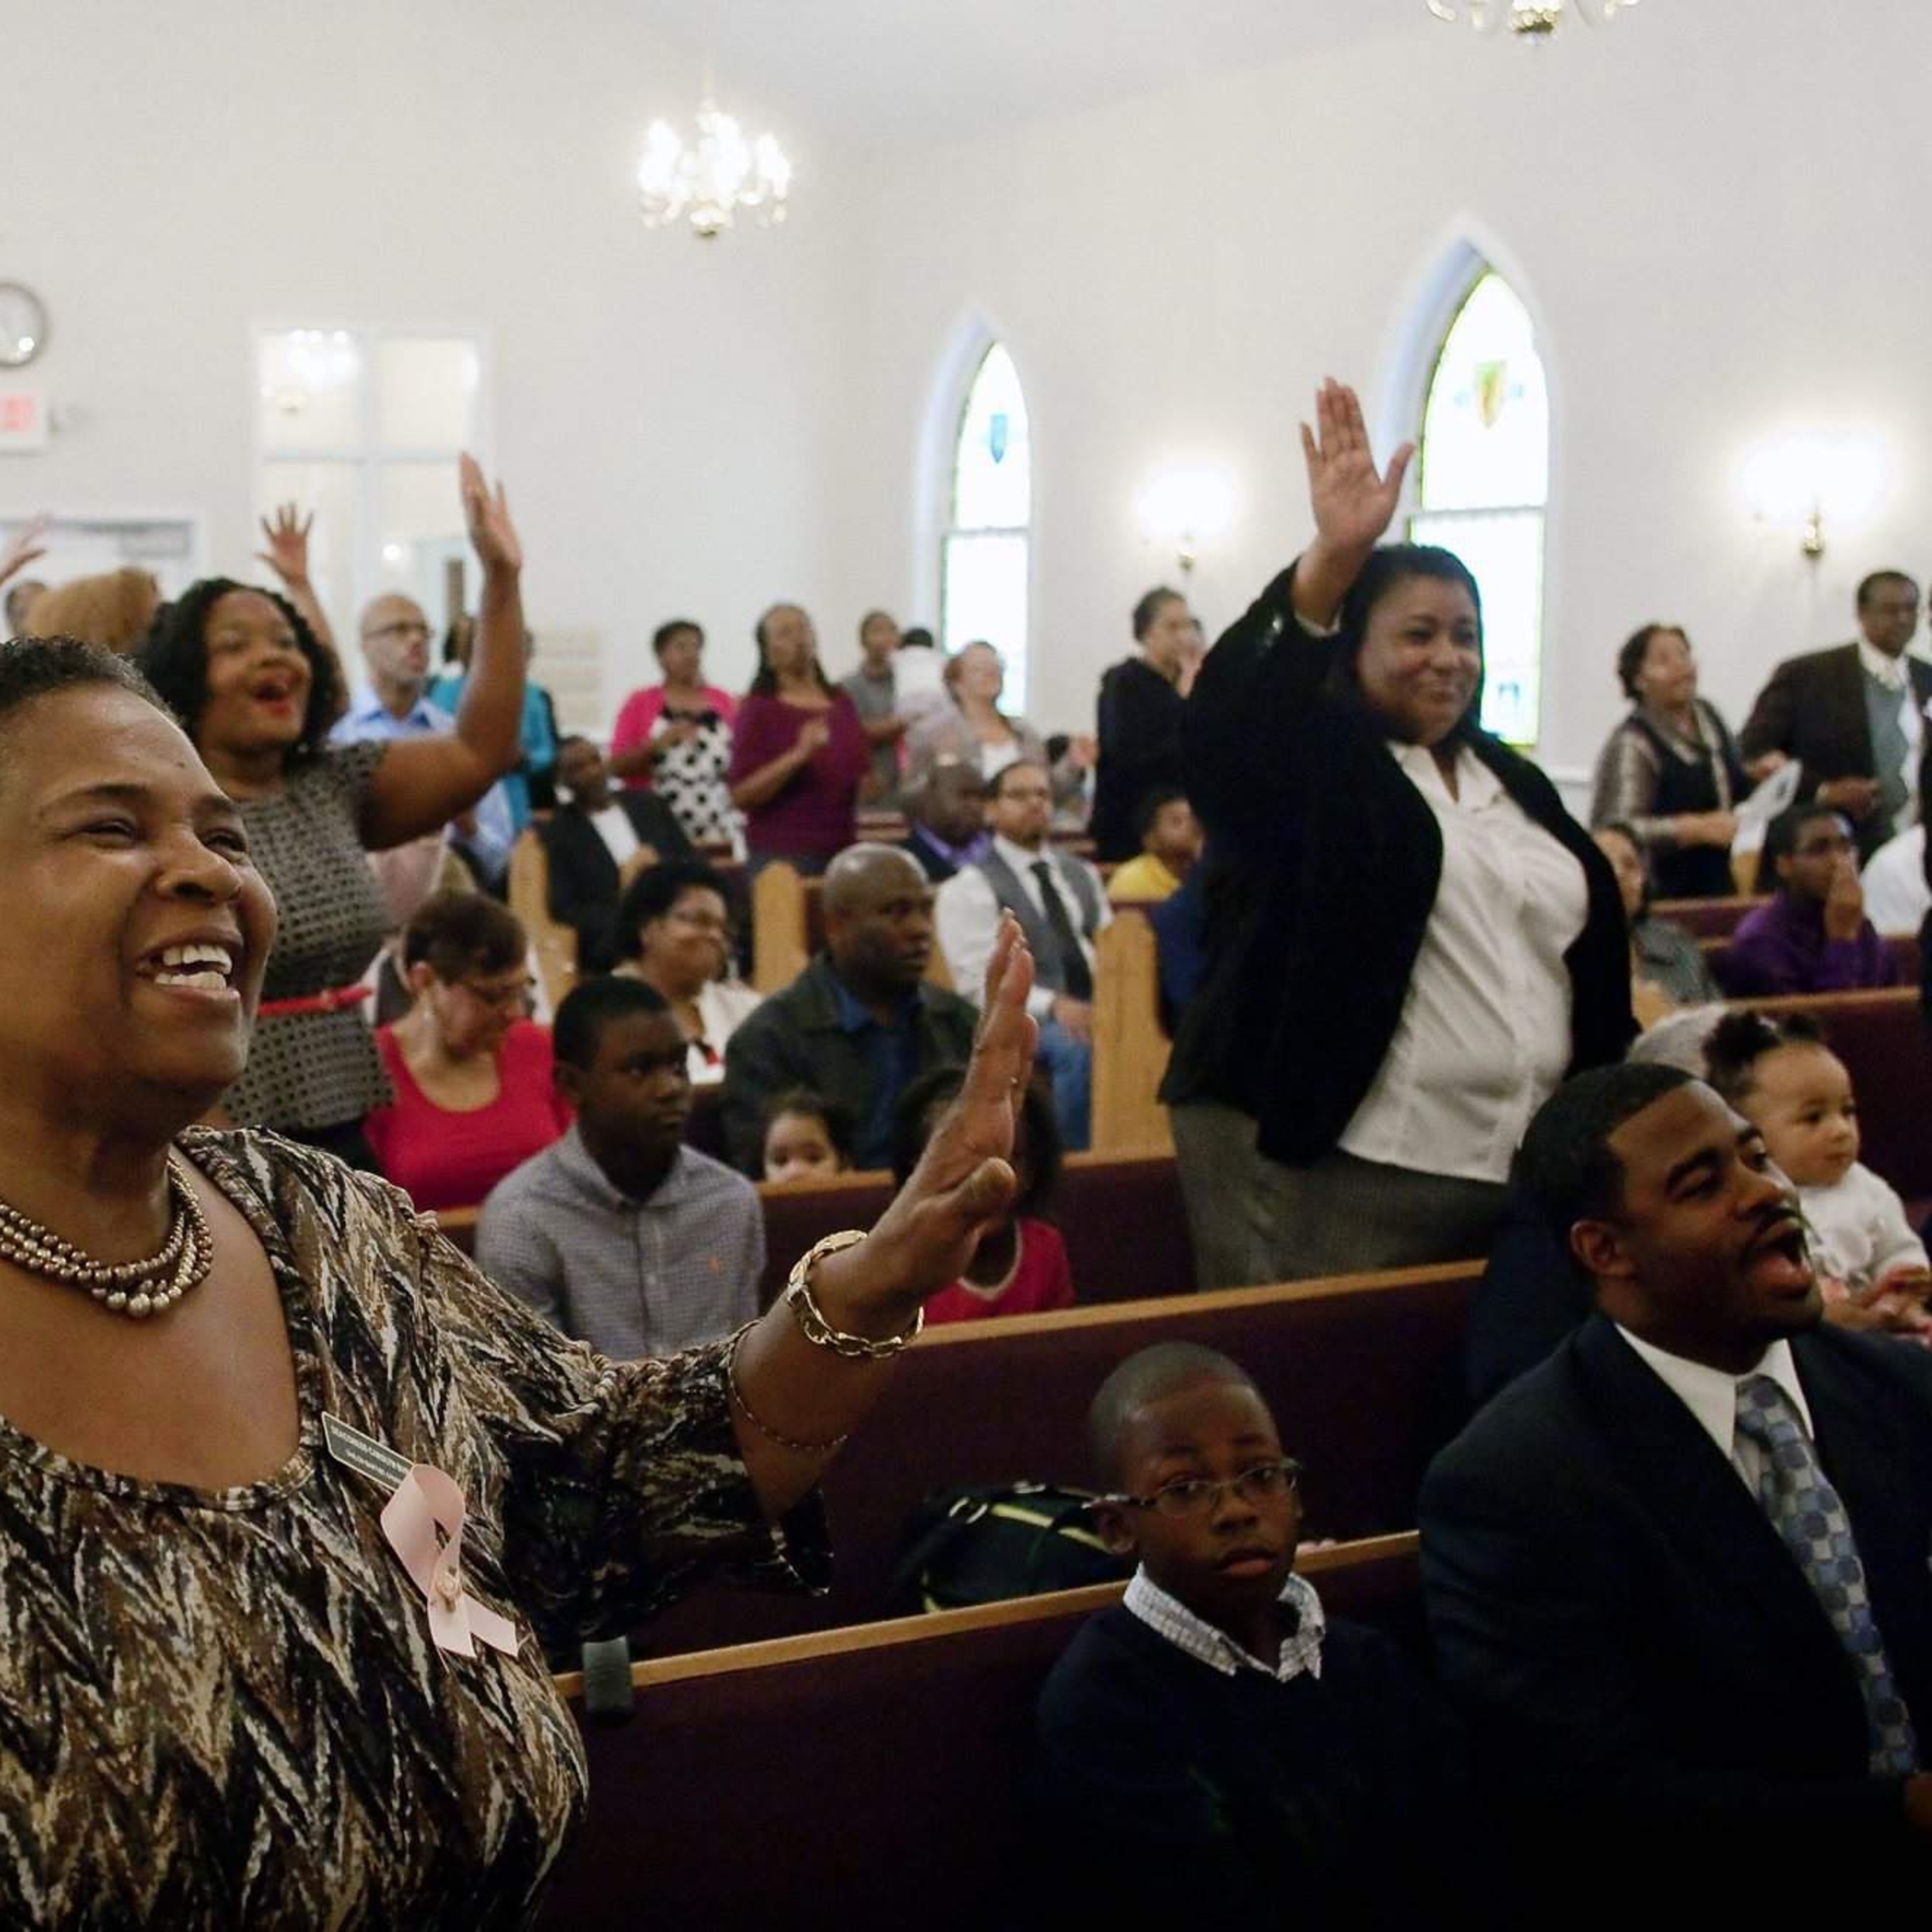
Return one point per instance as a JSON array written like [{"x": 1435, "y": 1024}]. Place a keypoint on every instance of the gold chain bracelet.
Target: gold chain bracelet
[{"x": 811, "y": 1317}]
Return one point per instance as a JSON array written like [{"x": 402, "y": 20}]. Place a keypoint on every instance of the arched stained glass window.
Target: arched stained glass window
[
  {"x": 1484, "y": 487},
  {"x": 983, "y": 561}
]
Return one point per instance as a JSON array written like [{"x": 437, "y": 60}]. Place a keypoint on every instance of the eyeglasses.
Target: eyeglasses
[
  {"x": 700, "y": 922},
  {"x": 501, "y": 999},
  {"x": 405, "y": 627},
  {"x": 1200, "y": 1495}
]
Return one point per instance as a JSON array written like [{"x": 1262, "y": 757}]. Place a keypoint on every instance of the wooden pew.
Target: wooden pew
[
  {"x": 1130, "y": 1052},
  {"x": 1903, "y": 946},
  {"x": 554, "y": 944},
  {"x": 1120, "y": 1216},
  {"x": 1707, "y": 919},
  {"x": 873, "y": 1778},
  {"x": 1363, "y": 1372}
]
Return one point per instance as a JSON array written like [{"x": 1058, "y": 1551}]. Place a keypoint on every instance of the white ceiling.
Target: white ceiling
[{"x": 882, "y": 72}]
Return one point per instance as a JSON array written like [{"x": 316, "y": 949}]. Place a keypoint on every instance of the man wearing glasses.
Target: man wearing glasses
[
  {"x": 395, "y": 639},
  {"x": 1813, "y": 937},
  {"x": 1213, "y": 1742}
]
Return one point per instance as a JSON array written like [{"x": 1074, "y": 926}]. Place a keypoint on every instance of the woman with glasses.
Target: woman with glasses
[
  {"x": 474, "y": 1097},
  {"x": 257, "y": 689},
  {"x": 674, "y": 933}
]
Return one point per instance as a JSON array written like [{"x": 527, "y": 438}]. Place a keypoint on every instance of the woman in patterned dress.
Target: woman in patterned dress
[
  {"x": 257, "y": 690},
  {"x": 229, "y": 1695}
]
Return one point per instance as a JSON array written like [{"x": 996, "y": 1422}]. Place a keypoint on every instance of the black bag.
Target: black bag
[{"x": 965, "y": 1547}]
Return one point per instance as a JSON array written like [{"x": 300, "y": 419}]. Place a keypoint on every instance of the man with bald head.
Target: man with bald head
[
  {"x": 395, "y": 638},
  {"x": 860, "y": 1024}
]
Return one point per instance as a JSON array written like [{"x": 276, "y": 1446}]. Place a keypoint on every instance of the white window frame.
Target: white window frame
[
  {"x": 369, "y": 458},
  {"x": 1020, "y": 673},
  {"x": 1477, "y": 268}
]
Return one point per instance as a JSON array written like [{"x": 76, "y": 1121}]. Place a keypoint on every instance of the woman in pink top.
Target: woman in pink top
[
  {"x": 471, "y": 1075},
  {"x": 1019, "y": 1266},
  {"x": 675, "y": 738},
  {"x": 800, "y": 752}
]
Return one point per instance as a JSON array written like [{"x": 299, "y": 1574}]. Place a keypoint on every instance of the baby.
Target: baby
[
  {"x": 1783, "y": 1078},
  {"x": 807, "y": 1139}
]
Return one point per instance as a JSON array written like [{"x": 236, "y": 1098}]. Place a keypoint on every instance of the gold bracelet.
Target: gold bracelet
[
  {"x": 811, "y": 1317},
  {"x": 751, "y": 1415}
]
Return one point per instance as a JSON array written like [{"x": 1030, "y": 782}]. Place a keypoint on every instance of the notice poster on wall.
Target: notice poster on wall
[{"x": 23, "y": 422}]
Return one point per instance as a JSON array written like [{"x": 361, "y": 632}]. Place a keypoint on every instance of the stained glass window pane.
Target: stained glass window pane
[
  {"x": 985, "y": 598},
  {"x": 1504, "y": 551},
  {"x": 1486, "y": 427},
  {"x": 992, "y": 481}
]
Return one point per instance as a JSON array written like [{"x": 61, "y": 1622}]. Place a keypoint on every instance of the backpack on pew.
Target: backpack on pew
[{"x": 965, "y": 1547}]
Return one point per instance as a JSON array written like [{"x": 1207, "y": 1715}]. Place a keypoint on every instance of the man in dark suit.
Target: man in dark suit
[
  {"x": 946, "y": 819},
  {"x": 1842, "y": 712},
  {"x": 1677, "y": 1576},
  {"x": 597, "y": 841}
]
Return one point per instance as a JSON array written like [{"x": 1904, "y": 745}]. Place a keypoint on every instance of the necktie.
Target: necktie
[
  {"x": 1808, "y": 1514},
  {"x": 1075, "y": 976}
]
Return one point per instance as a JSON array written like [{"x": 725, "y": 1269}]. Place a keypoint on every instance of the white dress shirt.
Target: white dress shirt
[
  {"x": 1893, "y": 879},
  {"x": 1484, "y": 1036},
  {"x": 1710, "y": 1395},
  {"x": 619, "y": 834},
  {"x": 966, "y": 911}
]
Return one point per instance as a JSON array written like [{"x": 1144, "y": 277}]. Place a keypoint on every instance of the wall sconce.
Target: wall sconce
[
  {"x": 1797, "y": 481},
  {"x": 1182, "y": 509}
]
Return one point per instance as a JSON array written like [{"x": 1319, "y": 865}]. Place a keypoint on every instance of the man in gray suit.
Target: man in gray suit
[{"x": 1061, "y": 906}]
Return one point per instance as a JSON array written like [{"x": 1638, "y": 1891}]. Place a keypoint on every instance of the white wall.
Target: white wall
[
  {"x": 175, "y": 175},
  {"x": 1717, "y": 209}
]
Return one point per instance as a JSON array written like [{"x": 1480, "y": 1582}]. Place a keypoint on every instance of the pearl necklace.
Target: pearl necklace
[{"x": 136, "y": 1289}]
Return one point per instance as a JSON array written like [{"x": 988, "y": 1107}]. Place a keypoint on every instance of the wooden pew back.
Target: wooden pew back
[
  {"x": 1364, "y": 1375},
  {"x": 1707, "y": 919},
  {"x": 554, "y": 944},
  {"x": 1121, "y": 1217},
  {"x": 871, "y": 1777}
]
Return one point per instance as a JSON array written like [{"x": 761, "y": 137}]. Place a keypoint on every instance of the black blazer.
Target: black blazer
[
  {"x": 1643, "y": 1665},
  {"x": 1325, "y": 863},
  {"x": 584, "y": 886},
  {"x": 1139, "y": 721},
  {"x": 1813, "y": 710}
]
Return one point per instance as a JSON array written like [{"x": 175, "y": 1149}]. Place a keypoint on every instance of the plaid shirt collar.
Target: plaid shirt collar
[
  {"x": 575, "y": 1161},
  {"x": 1300, "y": 1648}
]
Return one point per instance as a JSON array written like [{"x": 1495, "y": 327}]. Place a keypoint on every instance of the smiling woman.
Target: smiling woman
[
  {"x": 1414, "y": 940},
  {"x": 258, "y": 691},
  {"x": 236, "y": 1691}
]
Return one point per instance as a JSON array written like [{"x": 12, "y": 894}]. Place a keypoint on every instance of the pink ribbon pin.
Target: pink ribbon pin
[{"x": 424, "y": 1522}]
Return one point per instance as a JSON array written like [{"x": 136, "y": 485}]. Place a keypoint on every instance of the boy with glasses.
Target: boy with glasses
[{"x": 1219, "y": 1743}]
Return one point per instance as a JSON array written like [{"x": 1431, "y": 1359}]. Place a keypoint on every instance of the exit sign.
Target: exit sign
[{"x": 23, "y": 420}]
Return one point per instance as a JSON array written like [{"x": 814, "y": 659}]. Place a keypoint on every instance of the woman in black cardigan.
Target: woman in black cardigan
[{"x": 1410, "y": 940}]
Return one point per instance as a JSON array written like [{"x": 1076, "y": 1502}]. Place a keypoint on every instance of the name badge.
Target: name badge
[{"x": 423, "y": 1520}]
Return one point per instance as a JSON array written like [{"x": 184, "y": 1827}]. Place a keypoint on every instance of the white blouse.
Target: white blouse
[{"x": 1484, "y": 1037}]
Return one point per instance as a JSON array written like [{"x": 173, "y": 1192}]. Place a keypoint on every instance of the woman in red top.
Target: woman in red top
[
  {"x": 1020, "y": 1266},
  {"x": 800, "y": 752},
  {"x": 472, "y": 1074}
]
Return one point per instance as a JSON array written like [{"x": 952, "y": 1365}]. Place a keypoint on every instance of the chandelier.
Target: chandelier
[
  {"x": 1525, "y": 19},
  {"x": 709, "y": 181}
]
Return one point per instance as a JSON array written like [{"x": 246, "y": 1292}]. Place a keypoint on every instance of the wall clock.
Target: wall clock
[{"x": 23, "y": 326}]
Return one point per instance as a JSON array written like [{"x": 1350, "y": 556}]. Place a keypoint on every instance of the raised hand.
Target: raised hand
[
  {"x": 1845, "y": 901},
  {"x": 492, "y": 534},
  {"x": 1353, "y": 502},
  {"x": 286, "y": 534},
  {"x": 964, "y": 1182},
  {"x": 26, "y": 546}
]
